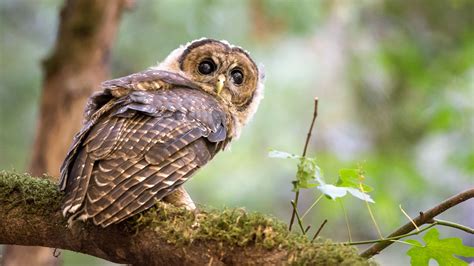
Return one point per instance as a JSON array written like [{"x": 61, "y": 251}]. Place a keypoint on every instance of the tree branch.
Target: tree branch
[
  {"x": 30, "y": 215},
  {"x": 423, "y": 218},
  {"x": 305, "y": 149}
]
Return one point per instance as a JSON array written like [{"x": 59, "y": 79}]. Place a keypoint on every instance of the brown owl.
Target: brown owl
[{"x": 147, "y": 133}]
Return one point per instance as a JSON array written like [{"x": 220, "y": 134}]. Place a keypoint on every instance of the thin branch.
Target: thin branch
[
  {"x": 308, "y": 136},
  {"x": 453, "y": 225},
  {"x": 418, "y": 231},
  {"x": 292, "y": 220},
  {"x": 305, "y": 149},
  {"x": 346, "y": 219},
  {"x": 395, "y": 238},
  {"x": 319, "y": 229},
  {"x": 372, "y": 217},
  {"x": 300, "y": 223},
  {"x": 423, "y": 218},
  {"x": 408, "y": 217},
  {"x": 312, "y": 205}
]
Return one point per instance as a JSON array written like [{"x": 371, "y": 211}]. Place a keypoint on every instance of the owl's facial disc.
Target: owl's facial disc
[{"x": 221, "y": 69}]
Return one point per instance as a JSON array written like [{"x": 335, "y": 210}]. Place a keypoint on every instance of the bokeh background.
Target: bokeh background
[{"x": 395, "y": 81}]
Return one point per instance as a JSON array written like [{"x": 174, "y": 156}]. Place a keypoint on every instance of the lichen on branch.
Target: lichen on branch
[{"x": 30, "y": 215}]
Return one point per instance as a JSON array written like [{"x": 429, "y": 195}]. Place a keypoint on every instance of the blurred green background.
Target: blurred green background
[{"x": 395, "y": 81}]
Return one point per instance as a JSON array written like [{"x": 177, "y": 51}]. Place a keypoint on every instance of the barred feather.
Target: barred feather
[{"x": 143, "y": 147}]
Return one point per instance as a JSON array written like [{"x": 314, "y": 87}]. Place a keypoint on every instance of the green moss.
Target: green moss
[
  {"x": 41, "y": 194},
  {"x": 181, "y": 227},
  {"x": 240, "y": 228}
]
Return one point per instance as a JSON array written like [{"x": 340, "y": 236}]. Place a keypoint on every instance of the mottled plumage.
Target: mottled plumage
[{"x": 147, "y": 133}]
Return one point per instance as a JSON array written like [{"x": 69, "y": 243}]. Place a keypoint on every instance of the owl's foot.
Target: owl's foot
[{"x": 181, "y": 198}]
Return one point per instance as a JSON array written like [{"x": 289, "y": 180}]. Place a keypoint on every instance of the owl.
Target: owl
[{"x": 146, "y": 134}]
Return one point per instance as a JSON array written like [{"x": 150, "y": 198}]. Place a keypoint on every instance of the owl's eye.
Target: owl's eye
[
  {"x": 237, "y": 76},
  {"x": 207, "y": 66}
]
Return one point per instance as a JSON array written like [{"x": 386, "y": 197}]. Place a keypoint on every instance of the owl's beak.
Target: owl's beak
[{"x": 220, "y": 83}]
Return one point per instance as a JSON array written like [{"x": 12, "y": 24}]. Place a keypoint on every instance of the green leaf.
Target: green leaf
[
  {"x": 350, "y": 181},
  {"x": 441, "y": 250},
  {"x": 334, "y": 192},
  {"x": 360, "y": 195},
  {"x": 282, "y": 155},
  {"x": 352, "y": 178},
  {"x": 308, "y": 170}
]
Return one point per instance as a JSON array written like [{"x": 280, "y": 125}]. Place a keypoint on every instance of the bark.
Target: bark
[{"x": 76, "y": 66}]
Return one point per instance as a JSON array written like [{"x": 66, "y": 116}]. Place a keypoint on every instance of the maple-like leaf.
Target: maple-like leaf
[
  {"x": 441, "y": 250},
  {"x": 352, "y": 178},
  {"x": 350, "y": 181}
]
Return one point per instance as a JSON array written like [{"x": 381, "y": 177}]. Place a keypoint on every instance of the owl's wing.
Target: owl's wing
[
  {"x": 144, "y": 147},
  {"x": 112, "y": 93},
  {"x": 147, "y": 80},
  {"x": 151, "y": 77}
]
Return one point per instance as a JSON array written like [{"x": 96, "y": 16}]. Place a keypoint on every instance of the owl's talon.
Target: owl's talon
[{"x": 181, "y": 198}]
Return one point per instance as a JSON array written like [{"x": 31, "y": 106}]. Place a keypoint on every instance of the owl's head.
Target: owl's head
[{"x": 222, "y": 70}]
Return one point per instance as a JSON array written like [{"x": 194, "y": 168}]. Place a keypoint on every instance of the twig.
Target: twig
[
  {"x": 319, "y": 229},
  {"x": 311, "y": 207},
  {"x": 307, "y": 229},
  {"x": 297, "y": 195},
  {"x": 408, "y": 217},
  {"x": 388, "y": 238},
  {"x": 453, "y": 225},
  {"x": 346, "y": 219},
  {"x": 371, "y": 214},
  {"x": 423, "y": 218},
  {"x": 300, "y": 223},
  {"x": 308, "y": 137},
  {"x": 418, "y": 231}
]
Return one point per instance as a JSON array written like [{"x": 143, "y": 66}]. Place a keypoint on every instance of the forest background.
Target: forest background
[{"x": 395, "y": 81}]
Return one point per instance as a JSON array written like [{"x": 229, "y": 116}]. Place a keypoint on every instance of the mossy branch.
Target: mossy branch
[{"x": 166, "y": 235}]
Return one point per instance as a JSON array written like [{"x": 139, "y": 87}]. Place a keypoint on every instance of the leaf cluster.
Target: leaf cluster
[{"x": 309, "y": 175}]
